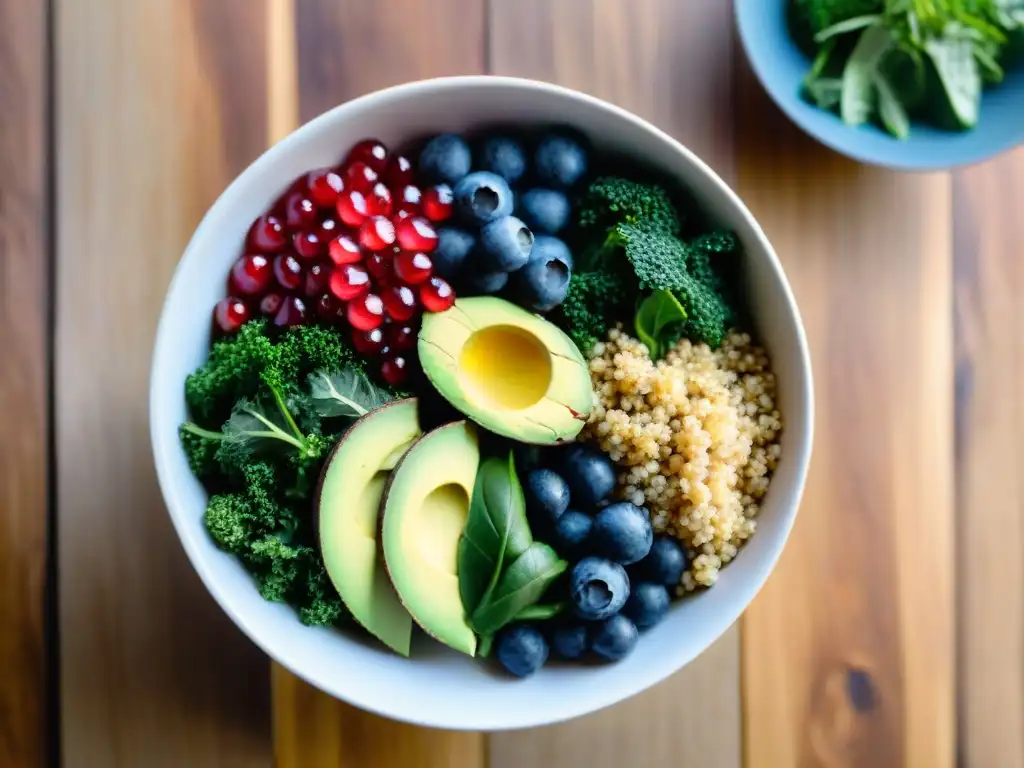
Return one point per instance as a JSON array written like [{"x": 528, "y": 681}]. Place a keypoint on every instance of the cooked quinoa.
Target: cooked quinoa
[{"x": 696, "y": 435}]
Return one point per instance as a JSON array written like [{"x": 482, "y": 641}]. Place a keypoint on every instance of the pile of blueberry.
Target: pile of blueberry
[
  {"x": 622, "y": 575},
  {"x": 511, "y": 202}
]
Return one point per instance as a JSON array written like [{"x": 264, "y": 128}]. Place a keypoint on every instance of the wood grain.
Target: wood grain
[
  {"x": 159, "y": 104},
  {"x": 670, "y": 62},
  {"x": 848, "y": 653},
  {"x": 989, "y": 280},
  {"x": 24, "y": 380},
  {"x": 346, "y": 49}
]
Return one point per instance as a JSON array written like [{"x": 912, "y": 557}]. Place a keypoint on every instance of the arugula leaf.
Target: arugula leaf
[
  {"x": 540, "y": 612},
  {"x": 496, "y": 530},
  {"x": 846, "y": 26},
  {"x": 658, "y": 322},
  {"x": 522, "y": 585},
  {"x": 348, "y": 392},
  {"x": 861, "y": 73}
]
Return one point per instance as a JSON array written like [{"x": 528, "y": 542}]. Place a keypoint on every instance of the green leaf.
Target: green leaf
[
  {"x": 859, "y": 76},
  {"x": 846, "y": 26},
  {"x": 348, "y": 393},
  {"x": 958, "y": 73},
  {"x": 522, "y": 585},
  {"x": 540, "y": 612},
  {"x": 252, "y": 430},
  {"x": 825, "y": 92},
  {"x": 483, "y": 648},
  {"x": 496, "y": 530},
  {"x": 658, "y": 321},
  {"x": 894, "y": 117}
]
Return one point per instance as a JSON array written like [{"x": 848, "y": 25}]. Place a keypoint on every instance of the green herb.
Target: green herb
[
  {"x": 522, "y": 584},
  {"x": 659, "y": 322},
  {"x": 496, "y": 530},
  {"x": 540, "y": 612},
  {"x": 347, "y": 392}
]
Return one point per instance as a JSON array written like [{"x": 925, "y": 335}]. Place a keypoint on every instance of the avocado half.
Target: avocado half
[
  {"x": 348, "y": 507},
  {"x": 426, "y": 504},
  {"x": 511, "y": 371}
]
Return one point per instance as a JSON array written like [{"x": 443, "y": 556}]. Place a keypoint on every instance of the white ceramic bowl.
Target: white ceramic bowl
[{"x": 437, "y": 687}]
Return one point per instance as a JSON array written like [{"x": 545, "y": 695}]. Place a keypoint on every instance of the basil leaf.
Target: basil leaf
[
  {"x": 959, "y": 76},
  {"x": 859, "y": 90},
  {"x": 658, "y": 321},
  {"x": 846, "y": 26},
  {"x": 348, "y": 392},
  {"x": 522, "y": 585},
  {"x": 496, "y": 530},
  {"x": 540, "y": 612}
]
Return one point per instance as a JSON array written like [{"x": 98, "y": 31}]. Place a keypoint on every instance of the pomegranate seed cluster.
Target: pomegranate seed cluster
[{"x": 348, "y": 246}]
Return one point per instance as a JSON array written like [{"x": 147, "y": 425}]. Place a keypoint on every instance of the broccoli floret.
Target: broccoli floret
[
  {"x": 707, "y": 313},
  {"x": 612, "y": 200},
  {"x": 591, "y": 305}
]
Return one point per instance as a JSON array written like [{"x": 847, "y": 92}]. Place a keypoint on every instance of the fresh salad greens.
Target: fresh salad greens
[
  {"x": 895, "y": 60},
  {"x": 640, "y": 263}
]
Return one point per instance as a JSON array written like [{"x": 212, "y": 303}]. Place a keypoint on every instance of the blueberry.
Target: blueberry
[
  {"x": 590, "y": 475},
  {"x": 560, "y": 160},
  {"x": 452, "y": 250},
  {"x": 506, "y": 244},
  {"x": 647, "y": 604},
  {"x": 569, "y": 640},
  {"x": 544, "y": 210},
  {"x": 598, "y": 588},
  {"x": 488, "y": 282},
  {"x": 622, "y": 533},
  {"x": 482, "y": 197},
  {"x": 665, "y": 562},
  {"x": 547, "y": 495},
  {"x": 543, "y": 283},
  {"x": 446, "y": 158},
  {"x": 504, "y": 156},
  {"x": 613, "y": 638},
  {"x": 522, "y": 649},
  {"x": 551, "y": 247},
  {"x": 571, "y": 532}
]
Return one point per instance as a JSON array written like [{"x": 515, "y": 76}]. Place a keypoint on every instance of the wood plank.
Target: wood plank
[
  {"x": 669, "y": 62},
  {"x": 24, "y": 381},
  {"x": 989, "y": 281},
  {"x": 347, "y": 48},
  {"x": 848, "y": 653},
  {"x": 159, "y": 105}
]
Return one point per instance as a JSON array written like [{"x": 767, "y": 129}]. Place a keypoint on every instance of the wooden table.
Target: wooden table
[{"x": 892, "y": 633}]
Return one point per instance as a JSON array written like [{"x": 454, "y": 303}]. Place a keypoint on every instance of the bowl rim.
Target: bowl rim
[
  {"x": 784, "y": 101},
  {"x": 800, "y": 446}
]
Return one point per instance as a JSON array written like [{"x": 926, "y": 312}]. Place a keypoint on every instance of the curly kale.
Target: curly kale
[{"x": 611, "y": 200}]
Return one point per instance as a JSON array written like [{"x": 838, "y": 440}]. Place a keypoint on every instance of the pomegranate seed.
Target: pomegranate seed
[
  {"x": 316, "y": 280},
  {"x": 400, "y": 303},
  {"x": 400, "y": 338},
  {"x": 329, "y": 309},
  {"x": 307, "y": 244},
  {"x": 438, "y": 202},
  {"x": 378, "y": 202},
  {"x": 352, "y": 208},
  {"x": 413, "y": 268},
  {"x": 270, "y": 303},
  {"x": 288, "y": 271},
  {"x": 368, "y": 342},
  {"x": 360, "y": 177},
  {"x": 436, "y": 295},
  {"x": 416, "y": 234},
  {"x": 291, "y": 313},
  {"x": 366, "y": 312},
  {"x": 299, "y": 211},
  {"x": 251, "y": 274},
  {"x": 399, "y": 171},
  {"x": 369, "y": 151},
  {"x": 378, "y": 264},
  {"x": 394, "y": 371},
  {"x": 409, "y": 199},
  {"x": 230, "y": 314},
  {"x": 324, "y": 187},
  {"x": 349, "y": 281},
  {"x": 329, "y": 229},
  {"x": 344, "y": 250},
  {"x": 267, "y": 234},
  {"x": 377, "y": 233}
]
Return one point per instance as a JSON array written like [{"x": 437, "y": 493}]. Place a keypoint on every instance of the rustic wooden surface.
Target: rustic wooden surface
[{"x": 892, "y": 633}]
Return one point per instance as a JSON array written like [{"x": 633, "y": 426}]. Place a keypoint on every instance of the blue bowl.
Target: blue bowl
[{"x": 781, "y": 66}]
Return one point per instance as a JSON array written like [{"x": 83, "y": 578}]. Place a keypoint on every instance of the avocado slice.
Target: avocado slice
[
  {"x": 426, "y": 504},
  {"x": 348, "y": 506},
  {"x": 511, "y": 371}
]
